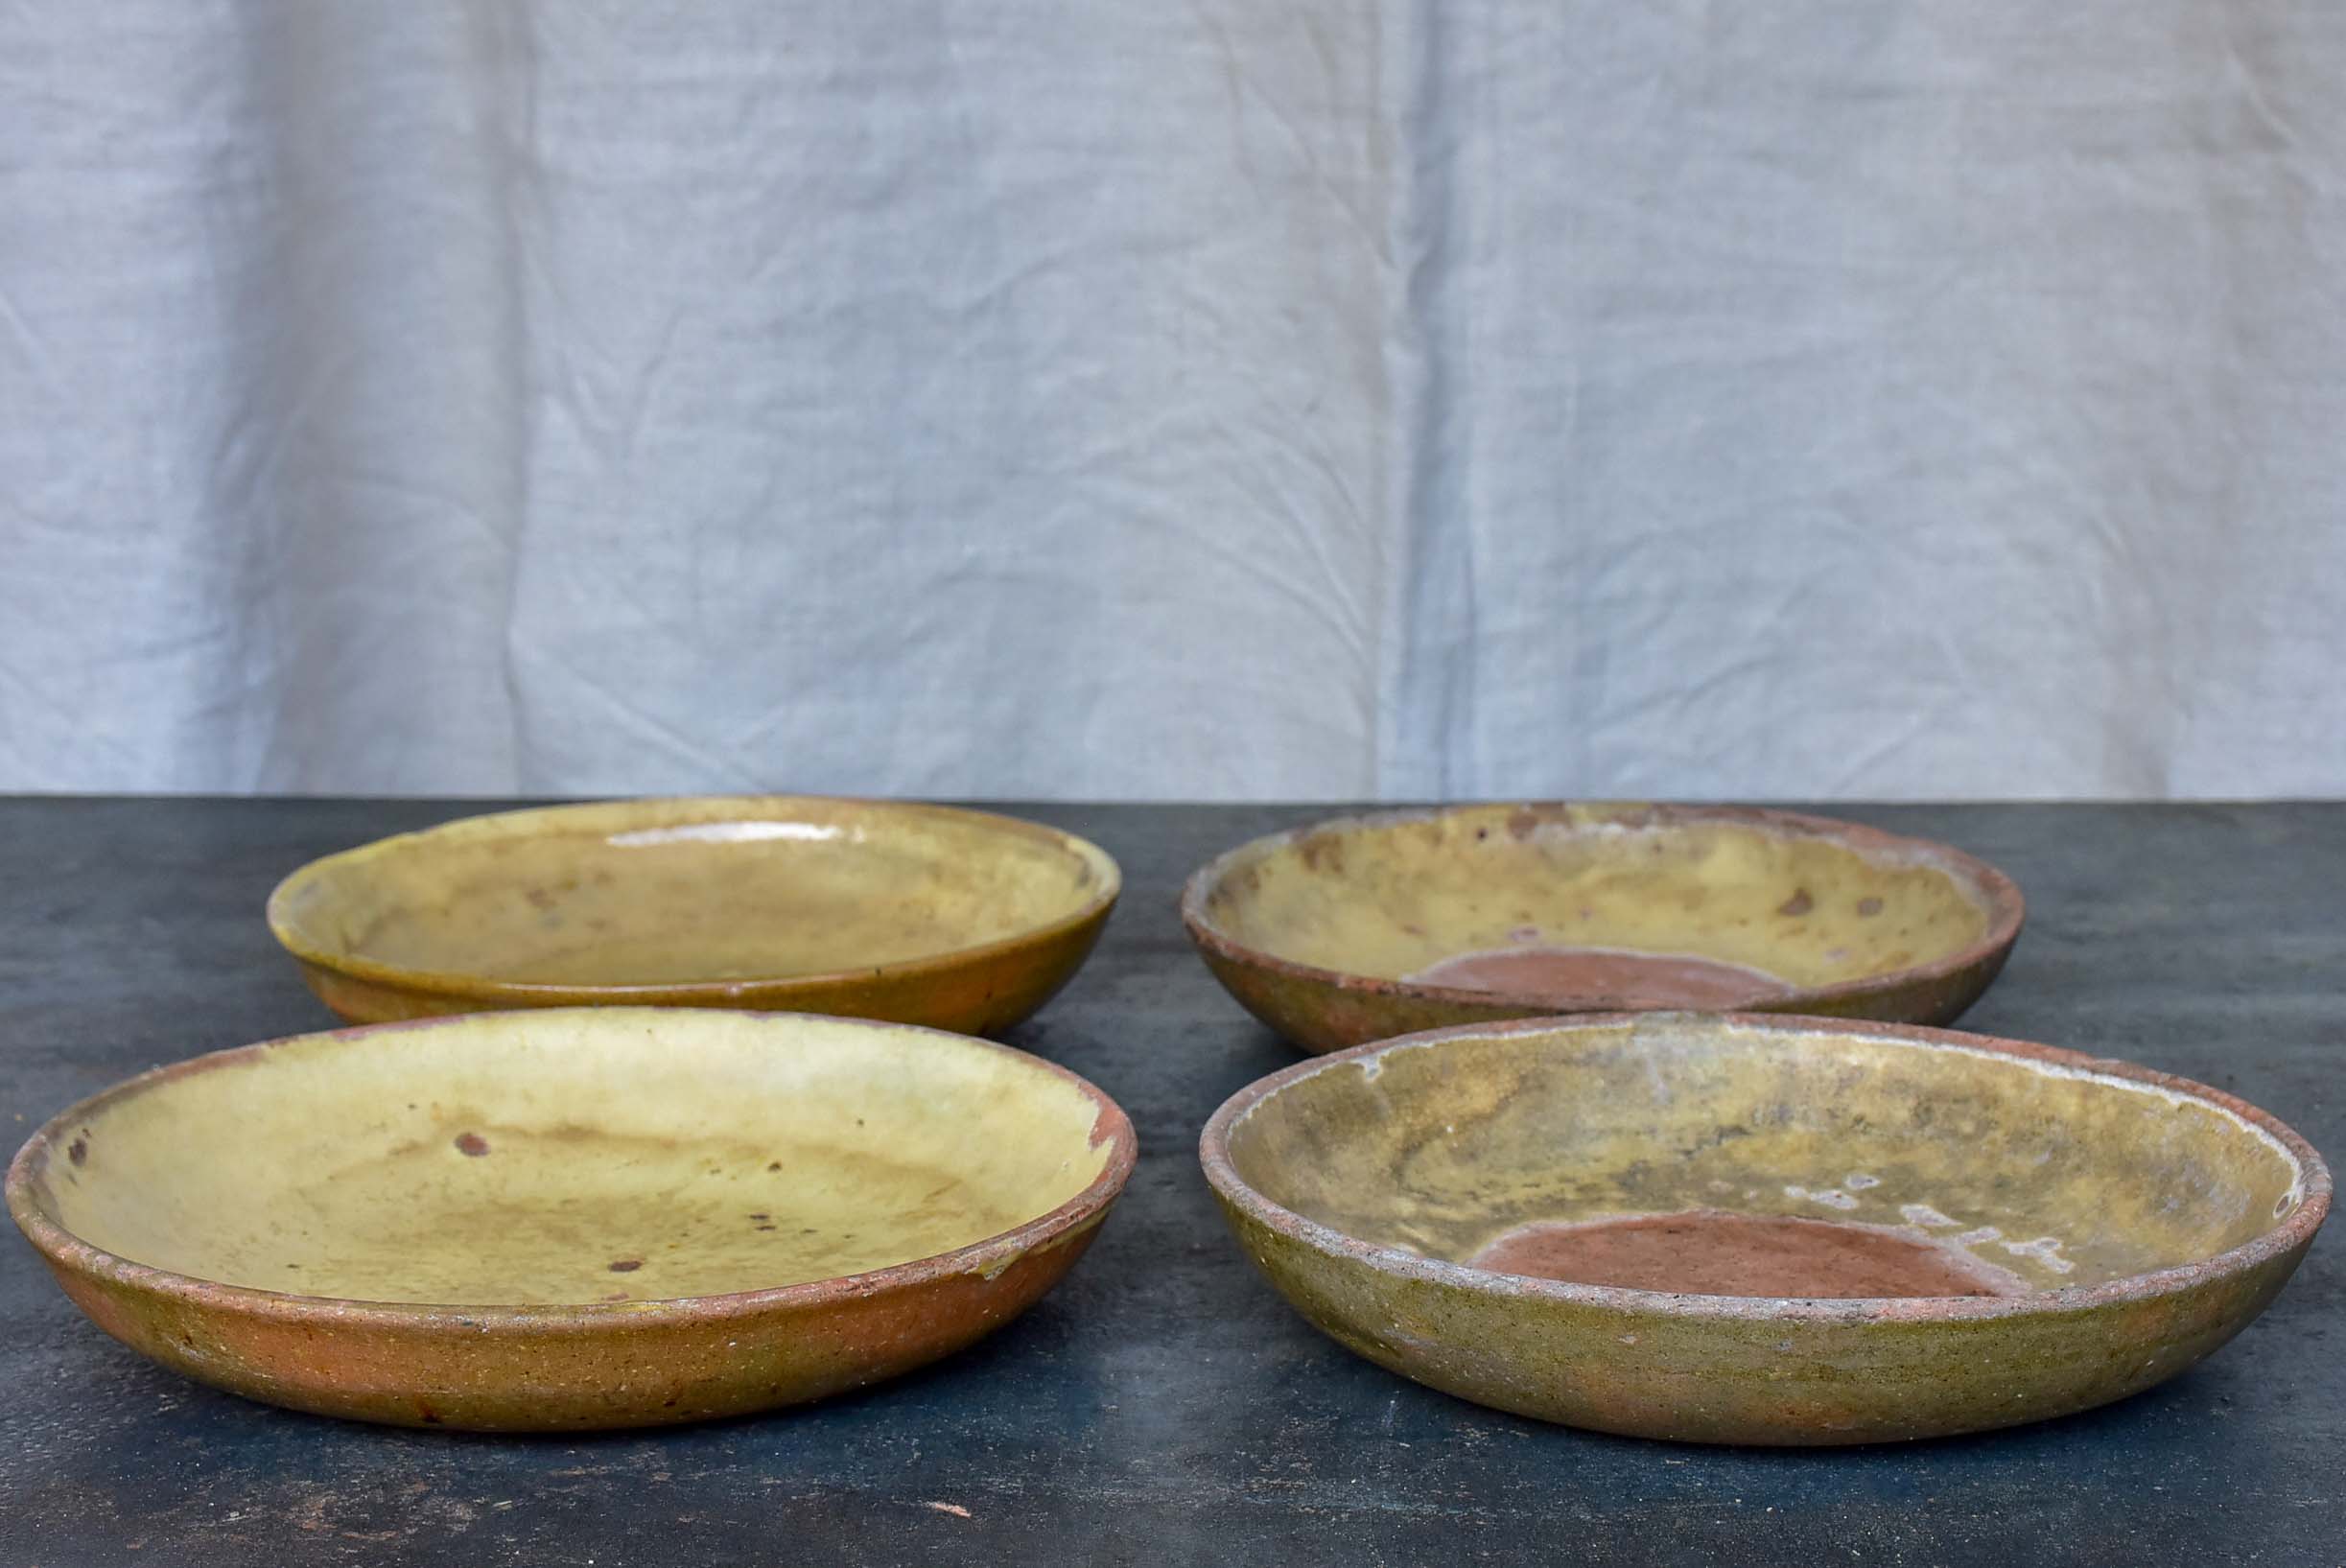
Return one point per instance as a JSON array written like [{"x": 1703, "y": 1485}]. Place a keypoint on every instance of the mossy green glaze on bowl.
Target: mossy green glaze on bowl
[
  {"x": 568, "y": 1221},
  {"x": 1734, "y": 1228},
  {"x": 1367, "y": 927},
  {"x": 927, "y": 915}
]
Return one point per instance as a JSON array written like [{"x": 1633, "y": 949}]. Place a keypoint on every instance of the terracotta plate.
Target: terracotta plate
[
  {"x": 1368, "y": 927},
  {"x": 919, "y": 914},
  {"x": 1765, "y": 1231},
  {"x": 560, "y": 1220}
]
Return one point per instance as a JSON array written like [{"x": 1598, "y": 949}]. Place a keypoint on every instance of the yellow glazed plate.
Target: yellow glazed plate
[
  {"x": 918, "y": 914},
  {"x": 1758, "y": 1230},
  {"x": 1368, "y": 927},
  {"x": 572, "y": 1219}
]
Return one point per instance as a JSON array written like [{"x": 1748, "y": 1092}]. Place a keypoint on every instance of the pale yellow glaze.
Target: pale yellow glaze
[
  {"x": 1389, "y": 898},
  {"x": 672, "y": 1139},
  {"x": 2060, "y": 1176},
  {"x": 653, "y": 893}
]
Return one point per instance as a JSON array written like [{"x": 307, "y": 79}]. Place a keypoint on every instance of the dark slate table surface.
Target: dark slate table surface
[{"x": 1164, "y": 1406}]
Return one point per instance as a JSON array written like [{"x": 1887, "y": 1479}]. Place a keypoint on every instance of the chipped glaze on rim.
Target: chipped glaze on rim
[
  {"x": 492, "y": 825},
  {"x": 2294, "y": 1232},
  {"x": 985, "y": 1257},
  {"x": 1997, "y": 895}
]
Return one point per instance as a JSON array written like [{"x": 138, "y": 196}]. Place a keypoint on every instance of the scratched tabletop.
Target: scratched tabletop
[{"x": 1164, "y": 1406}]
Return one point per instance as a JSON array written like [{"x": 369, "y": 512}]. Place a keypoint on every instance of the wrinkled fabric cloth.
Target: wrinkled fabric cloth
[{"x": 1794, "y": 398}]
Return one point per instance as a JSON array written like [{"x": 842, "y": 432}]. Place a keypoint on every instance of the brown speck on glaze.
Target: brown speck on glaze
[
  {"x": 762, "y": 1216},
  {"x": 1869, "y": 906},
  {"x": 773, "y": 1165},
  {"x": 78, "y": 1151},
  {"x": 1798, "y": 904},
  {"x": 472, "y": 1143},
  {"x": 1324, "y": 852},
  {"x": 626, "y": 1265}
]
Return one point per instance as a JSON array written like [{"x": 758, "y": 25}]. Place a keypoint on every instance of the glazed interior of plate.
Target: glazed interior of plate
[
  {"x": 657, "y": 893},
  {"x": 575, "y": 1158},
  {"x": 1667, "y": 906},
  {"x": 1715, "y": 1157}
]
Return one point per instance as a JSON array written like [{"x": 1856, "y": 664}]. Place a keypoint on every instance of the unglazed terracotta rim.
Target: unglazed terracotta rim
[
  {"x": 1997, "y": 894},
  {"x": 74, "y": 1256},
  {"x": 779, "y": 988},
  {"x": 2292, "y": 1233}
]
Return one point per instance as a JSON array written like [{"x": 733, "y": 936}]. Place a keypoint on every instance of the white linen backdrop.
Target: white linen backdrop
[{"x": 1778, "y": 398}]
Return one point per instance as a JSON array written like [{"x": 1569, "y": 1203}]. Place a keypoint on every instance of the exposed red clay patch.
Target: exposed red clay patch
[
  {"x": 1652, "y": 980},
  {"x": 473, "y": 1144},
  {"x": 1708, "y": 1252}
]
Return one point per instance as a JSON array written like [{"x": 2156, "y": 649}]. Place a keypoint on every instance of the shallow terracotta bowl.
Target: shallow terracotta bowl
[
  {"x": 1763, "y": 1230},
  {"x": 562, "y": 1220},
  {"x": 919, "y": 914},
  {"x": 1367, "y": 927}
]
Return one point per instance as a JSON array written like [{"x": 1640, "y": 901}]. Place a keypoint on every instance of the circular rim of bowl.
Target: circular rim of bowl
[
  {"x": 2297, "y": 1230},
  {"x": 2007, "y": 911},
  {"x": 475, "y": 987},
  {"x": 71, "y": 1252}
]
